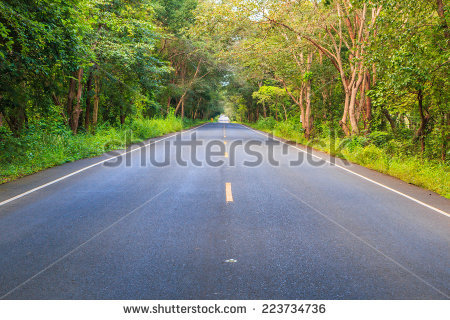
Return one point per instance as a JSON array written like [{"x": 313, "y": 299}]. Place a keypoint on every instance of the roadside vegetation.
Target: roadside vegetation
[
  {"x": 45, "y": 145},
  {"x": 373, "y": 73},
  {"x": 77, "y": 77},
  {"x": 378, "y": 151}
]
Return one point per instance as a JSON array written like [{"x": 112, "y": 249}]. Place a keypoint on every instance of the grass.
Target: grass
[
  {"x": 43, "y": 147},
  {"x": 376, "y": 152}
]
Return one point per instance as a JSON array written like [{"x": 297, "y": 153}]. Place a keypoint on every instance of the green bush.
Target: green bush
[
  {"x": 45, "y": 145},
  {"x": 268, "y": 123},
  {"x": 285, "y": 128},
  {"x": 380, "y": 138},
  {"x": 381, "y": 152},
  {"x": 354, "y": 142}
]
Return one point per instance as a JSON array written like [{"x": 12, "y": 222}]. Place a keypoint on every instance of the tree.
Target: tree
[
  {"x": 35, "y": 57},
  {"x": 411, "y": 54}
]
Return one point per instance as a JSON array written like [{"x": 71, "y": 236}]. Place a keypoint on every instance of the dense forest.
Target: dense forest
[
  {"x": 101, "y": 61},
  {"x": 365, "y": 80},
  {"x": 79, "y": 77}
]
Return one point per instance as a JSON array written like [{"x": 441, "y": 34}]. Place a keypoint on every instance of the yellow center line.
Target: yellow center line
[{"x": 229, "y": 194}]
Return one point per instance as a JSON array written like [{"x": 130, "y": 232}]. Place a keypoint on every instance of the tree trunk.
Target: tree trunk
[
  {"x": 180, "y": 102},
  {"x": 444, "y": 132},
  {"x": 70, "y": 98},
  {"x": 325, "y": 88},
  {"x": 420, "y": 133},
  {"x": 87, "y": 118},
  {"x": 351, "y": 111},
  {"x": 182, "y": 109},
  {"x": 367, "y": 105},
  {"x": 188, "y": 87},
  {"x": 389, "y": 118},
  {"x": 16, "y": 120},
  {"x": 360, "y": 104},
  {"x": 441, "y": 13},
  {"x": 307, "y": 125},
  {"x": 77, "y": 110},
  {"x": 343, "y": 121},
  {"x": 285, "y": 111},
  {"x": 1, "y": 119},
  {"x": 96, "y": 100}
]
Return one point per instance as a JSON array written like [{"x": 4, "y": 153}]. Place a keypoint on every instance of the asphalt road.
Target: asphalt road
[{"x": 139, "y": 231}]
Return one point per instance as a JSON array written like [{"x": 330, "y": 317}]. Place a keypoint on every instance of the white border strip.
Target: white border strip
[
  {"x": 357, "y": 174},
  {"x": 92, "y": 165},
  {"x": 369, "y": 245},
  {"x": 82, "y": 245}
]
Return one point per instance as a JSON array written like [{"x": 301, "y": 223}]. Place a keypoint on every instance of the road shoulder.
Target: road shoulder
[{"x": 423, "y": 195}]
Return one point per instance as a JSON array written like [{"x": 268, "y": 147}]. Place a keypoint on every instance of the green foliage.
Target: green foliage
[
  {"x": 146, "y": 128},
  {"x": 353, "y": 143},
  {"x": 175, "y": 15},
  {"x": 99, "y": 68},
  {"x": 380, "y": 138},
  {"x": 53, "y": 145},
  {"x": 378, "y": 152},
  {"x": 142, "y": 61},
  {"x": 286, "y": 128},
  {"x": 386, "y": 102},
  {"x": 268, "y": 123},
  {"x": 38, "y": 42}
]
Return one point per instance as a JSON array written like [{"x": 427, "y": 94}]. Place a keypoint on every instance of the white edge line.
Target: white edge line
[
  {"x": 90, "y": 166},
  {"x": 81, "y": 245},
  {"x": 369, "y": 245},
  {"x": 357, "y": 174}
]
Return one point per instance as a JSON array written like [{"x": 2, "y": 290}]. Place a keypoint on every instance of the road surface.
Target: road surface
[{"x": 138, "y": 231}]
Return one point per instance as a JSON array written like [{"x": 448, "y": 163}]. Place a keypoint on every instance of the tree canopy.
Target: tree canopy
[
  {"x": 358, "y": 67},
  {"x": 364, "y": 66},
  {"x": 85, "y": 62}
]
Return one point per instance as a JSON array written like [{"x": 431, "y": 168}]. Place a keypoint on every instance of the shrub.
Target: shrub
[
  {"x": 380, "y": 138},
  {"x": 43, "y": 146},
  {"x": 354, "y": 142},
  {"x": 268, "y": 123},
  {"x": 285, "y": 128},
  {"x": 396, "y": 157}
]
